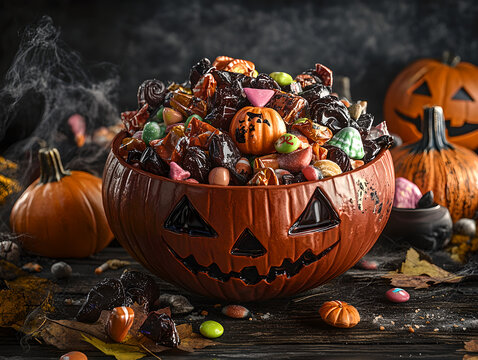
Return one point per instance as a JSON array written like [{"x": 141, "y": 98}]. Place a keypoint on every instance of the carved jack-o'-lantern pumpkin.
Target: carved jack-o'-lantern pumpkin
[
  {"x": 452, "y": 84},
  {"x": 244, "y": 242}
]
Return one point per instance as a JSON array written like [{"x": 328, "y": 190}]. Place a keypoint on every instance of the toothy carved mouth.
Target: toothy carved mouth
[
  {"x": 452, "y": 131},
  {"x": 249, "y": 274}
]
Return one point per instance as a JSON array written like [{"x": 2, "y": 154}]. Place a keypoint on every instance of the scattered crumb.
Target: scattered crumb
[
  {"x": 417, "y": 326},
  {"x": 266, "y": 316},
  {"x": 433, "y": 296},
  {"x": 392, "y": 322},
  {"x": 417, "y": 310},
  {"x": 72, "y": 302},
  {"x": 438, "y": 307},
  {"x": 204, "y": 313},
  {"x": 250, "y": 319},
  {"x": 464, "y": 329},
  {"x": 410, "y": 329},
  {"x": 455, "y": 325},
  {"x": 427, "y": 322},
  {"x": 421, "y": 317},
  {"x": 436, "y": 329},
  {"x": 427, "y": 316},
  {"x": 377, "y": 318},
  {"x": 195, "y": 316},
  {"x": 462, "y": 319},
  {"x": 382, "y": 328}
]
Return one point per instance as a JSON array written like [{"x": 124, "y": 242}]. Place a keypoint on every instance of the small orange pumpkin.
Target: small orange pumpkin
[
  {"x": 451, "y": 84},
  {"x": 61, "y": 214},
  {"x": 339, "y": 314},
  {"x": 255, "y": 129},
  {"x": 449, "y": 170}
]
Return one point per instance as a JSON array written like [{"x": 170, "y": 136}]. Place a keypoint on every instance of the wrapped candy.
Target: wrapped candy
[
  {"x": 289, "y": 106},
  {"x": 198, "y": 70},
  {"x": 331, "y": 112},
  {"x": 151, "y": 162},
  {"x": 266, "y": 161},
  {"x": 128, "y": 144},
  {"x": 188, "y": 105},
  {"x": 319, "y": 152},
  {"x": 135, "y": 120},
  {"x": 224, "y": 152},
  {"x": 200, "y": 133},
  {"x": 197, "y": 163},
  {"x": 173, "y": 146},
  {"x": 339, "y": 157},
  {"x": 161, "y": 329},
  {"x": 265, "y": 176},
  {"x": 314, "y": 132},
  {"x": 240, "y": 66},
  {"x": 205, "y": 87}
]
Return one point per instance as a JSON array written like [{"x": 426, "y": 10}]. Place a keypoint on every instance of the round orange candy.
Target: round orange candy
[{"x": 74, "y": 355}]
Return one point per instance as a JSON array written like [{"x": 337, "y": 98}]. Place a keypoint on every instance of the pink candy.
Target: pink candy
[
  {"x": 258, "y": 97},
  {"x": 407, "y": 194},
  {"x": 296, "y": 160},
  {"x": 176, "y": 172},
  {"x": 397, "y": 295},
  {"x": 311, "y": 173}
]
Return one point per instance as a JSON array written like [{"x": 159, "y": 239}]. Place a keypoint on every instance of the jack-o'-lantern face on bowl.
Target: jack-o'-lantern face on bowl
[
  {"x": 430, "y": 82},
  {"x": 243, "y": 242}
]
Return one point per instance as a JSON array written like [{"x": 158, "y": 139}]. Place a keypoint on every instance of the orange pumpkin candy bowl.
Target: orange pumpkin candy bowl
[{"x": 247, "y": 243}]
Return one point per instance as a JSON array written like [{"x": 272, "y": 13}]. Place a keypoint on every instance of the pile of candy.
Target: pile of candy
[{"x": 230, "y": 125}]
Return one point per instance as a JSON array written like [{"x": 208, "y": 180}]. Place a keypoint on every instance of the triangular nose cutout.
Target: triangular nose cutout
[
  {"x": 248, "y": 245},
  {"x": 319, "y": 215},
  {"x": 185, "y": 219}
]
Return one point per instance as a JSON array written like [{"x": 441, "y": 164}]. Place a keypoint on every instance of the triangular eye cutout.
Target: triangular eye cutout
[
  {"x": 423, "y": 89},
  {"x": 462, "y": 94},
  {"x": 185, "y": 219},
  {"x": 319, "y": 215},
  {"x": 248, "y": 245}
]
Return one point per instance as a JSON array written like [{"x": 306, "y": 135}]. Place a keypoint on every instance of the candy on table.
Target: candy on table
[
  {"x": 211, "y": 329},
  {"x": 61, "y": 270},
  {"x": 205, "y": 87},
  {"x": 197, "y": 162},
  {"x": 319, "y": 152},
  {"x": 161, "y": 329},
  {"x": 328, "y": 168},
  {"x": 311, "y": 173},
  {"x": 407, "y": 194},
  {"x": 176, "y": 172},
  {"x": 280, "y": 173},
  {"x": 397, "y": 295},
  {"x": 151, "y": 92},
  {"x": 188, "y": 105},
  {"x": 296, "y": 160},
  {"x": 171, "y": 116},
  {"x": 178, "y": 304},
  {"x": 265, "y": 176},
  {"x": 74, "y": 355},
  {"x": 135, "y": 120},
  {"x": 106, "y": 295},
  {"x": 348, "y": 139},
  {"x": 282, "y": 78},
  {"x": 289, "y": 106},
  {"x": 243, "y": 166},
  {"x": 287, "y": 143},
  {"x": 219, "y": 176},
  {"x": 150, "y": 161},
  {"x": 119, "y": 322},
  {"x": 258, "y": 97},
  {"x": 140, "y": 288},
  {"x": 314, "y": 132},
  {"x": 236, "y": 311}
]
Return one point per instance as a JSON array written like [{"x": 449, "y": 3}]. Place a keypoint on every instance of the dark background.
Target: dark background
[{"x": 369, "y": 41}]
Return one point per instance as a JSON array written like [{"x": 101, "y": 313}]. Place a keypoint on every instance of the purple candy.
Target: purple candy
[
  {"x": 397, "y": 295},
  {"x": 407, "y": 194}
]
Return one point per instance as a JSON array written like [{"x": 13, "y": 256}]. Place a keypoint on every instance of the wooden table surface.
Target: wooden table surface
[{"x": 443, "y": 317}]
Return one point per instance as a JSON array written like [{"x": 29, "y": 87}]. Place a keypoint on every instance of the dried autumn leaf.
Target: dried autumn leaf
[
  {"x": 471, "y": 346},
  {"x": 419, "y": 274},
  {"x": 119, "y": 351},
  {"x": 470, "y": 357}
]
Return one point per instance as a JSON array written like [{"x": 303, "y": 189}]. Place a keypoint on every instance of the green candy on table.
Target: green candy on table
[
  {"x": 287, "y": 143},
  {"x": 282, "y": 78},
  {"x": 189, "y": 119},
  {"x": 211, "y": 329},
  {"x": 152, "y": 131},
  {"x": 349, "y": 140}
]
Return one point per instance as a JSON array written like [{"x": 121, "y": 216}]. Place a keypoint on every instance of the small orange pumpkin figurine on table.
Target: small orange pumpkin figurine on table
[
  {"x": 61, "y": 214},
  {"x": 339, "y": 314},
  {"x": 255, "y": 129}
]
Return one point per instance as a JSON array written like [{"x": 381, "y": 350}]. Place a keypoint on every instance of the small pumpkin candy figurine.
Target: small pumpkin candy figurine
[
  {"x": 61, "y": 213},
  {"x": 339, "y": 314},
  {"x": 255, "y": 129},
  {"x": 432, "y": 163}
]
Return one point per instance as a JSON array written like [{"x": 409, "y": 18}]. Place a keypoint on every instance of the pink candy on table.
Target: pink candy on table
[
  {"x": 397, "y": 295},
  {"x": 176, "y": 172},
  {"x": 407, "y": 194}
]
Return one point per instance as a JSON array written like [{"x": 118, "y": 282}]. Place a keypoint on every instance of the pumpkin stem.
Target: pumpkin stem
[
  {"x": 433, "y": 130},
  {"x": 51, "y": 168},
  {"x": 450, "y": 59}
]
